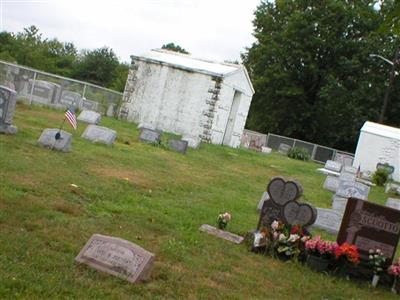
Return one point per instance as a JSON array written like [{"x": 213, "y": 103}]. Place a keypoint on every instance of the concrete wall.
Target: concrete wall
[
  {"x": 192, "y": 104},
  {"x": 373, "y": 149}
]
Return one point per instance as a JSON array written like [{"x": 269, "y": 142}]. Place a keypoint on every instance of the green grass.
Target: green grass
[{"x": 155, "y": 198}]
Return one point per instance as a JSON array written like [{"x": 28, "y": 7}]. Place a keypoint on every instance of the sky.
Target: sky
[{"x": 213, "y": 29}]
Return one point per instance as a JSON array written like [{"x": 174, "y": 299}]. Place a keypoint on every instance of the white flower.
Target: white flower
[
  {"x": 275, "y": 225},
  {"x": 227, "y": 216},
  {"x": 282, "y": 237},
  {"x": 293, "y": 238}
]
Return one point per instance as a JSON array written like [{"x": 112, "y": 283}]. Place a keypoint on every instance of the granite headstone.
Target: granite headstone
[
  {"x": 71, "y": 99},
  {"x": 328, "y": 220},
  {"x": 339, "y": 203},
  {"x": 90, "y": 105},
  {"x": 48, "y": 140},
  {"x": 353, "y": 189},
  {"x": 99, "y": 134},
  {"x": 90, "y": 117},
  {"x": 178, "y": 145},
  {"x": 331, "y": 183},
  {"x": 7, "y": 109},
  {"x": 150, "y": 136},
  {"x": 333, "y": 166},
  {"x": 226, "y": 235},
  {"x": 284, "y": 149}
]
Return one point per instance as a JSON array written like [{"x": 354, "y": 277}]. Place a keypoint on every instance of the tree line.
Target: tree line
[
  {"x": 313, "y": 72},
  {"x": 99, "y": 66}
]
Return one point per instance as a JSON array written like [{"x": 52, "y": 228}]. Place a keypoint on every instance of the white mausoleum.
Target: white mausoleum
[
  {"x": 199, "y": 99},
  {"x": 378, "y": 144}
]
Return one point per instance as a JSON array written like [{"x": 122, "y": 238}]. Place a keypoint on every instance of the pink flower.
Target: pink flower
[{"x": 275, "y": 225}]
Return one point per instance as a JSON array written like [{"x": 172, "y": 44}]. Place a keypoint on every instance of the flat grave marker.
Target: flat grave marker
[
  {"x": 48, "y": 140},
  {"x": 353, "y": 189},
  {"x": 117, "y": 257},
  {"x": 178, "y": 145},
  {"x": 99, "y": 134},
  {"x": 333, "y": 166},
  {"x": 234, "y": 238},
  {"x": 150, "y": 136}
]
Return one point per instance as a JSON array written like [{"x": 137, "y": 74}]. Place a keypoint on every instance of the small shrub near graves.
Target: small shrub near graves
[
  {"x": 380, "y": 177},
  {"x": 299, "y": 153}
]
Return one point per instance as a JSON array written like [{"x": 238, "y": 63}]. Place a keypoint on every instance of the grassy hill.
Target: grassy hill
[{"x": 155, "y": 198}]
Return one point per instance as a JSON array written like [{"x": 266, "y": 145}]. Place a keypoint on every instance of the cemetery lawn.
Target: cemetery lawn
[{"x": 155, "y": 198}]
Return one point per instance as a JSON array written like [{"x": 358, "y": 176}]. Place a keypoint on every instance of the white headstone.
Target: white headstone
[
  {"x": 331, "y": 183},
  {"x": 339, "y": 203},
  {"x": 393, "y": 203},
  {"x": 333, "y": 166},
  {"x": 90, "y": 117},
  {"x": 99, "y": 134},
  {"x": 266, "y": 150},
  {"x": 48, "y": 139},
  {"x": 328, "y": 220}
]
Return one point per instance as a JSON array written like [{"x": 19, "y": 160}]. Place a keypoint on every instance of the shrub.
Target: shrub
[
  {"x": 380, "y": 177},
  {"x": 299, "y": 153}
]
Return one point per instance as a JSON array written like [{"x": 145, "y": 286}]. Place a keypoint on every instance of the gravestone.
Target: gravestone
[
  {"x": 331, "y": 183},
  {"x": 90, "y": 117},
  {"x": 150, "y": 136},
  {"x": 333, "y": 166},
  {"x": 234, "y": 238},
  {"x": 44, "y": 92},
  {"x": 344, "y": 159},
  {"x": 117, "y": 257},
  {"x": 339, "y": 203},
  {"x": 392, "y": 187},
  {"x": 266, "y": 150},
  {"x": 393, "y": 203},
  {"x": 111, "y": 110},
  {"x": 178, "y": 145},
  {"x": 284, "y": 149},
  {"x": 264, "y": 197},
  {"x": 71, "y": 99},
  {"x": 99, "y": 134},
  {"x": 192, "y": 142},
  {"x": 349, "y": 169},
  {"x": 345, "y": 176},
  {"x": 48, "y": 140},
  {"x": 370, "y": 226},
  {"x": 366, "y": 175},
  {"x": 328, "y": 220},
  {"x": 353, "y": 189},
  {"x": 7, "y": 108},
  {"x": 283, "y": 206},
  {"x": 90, "y": 105}
]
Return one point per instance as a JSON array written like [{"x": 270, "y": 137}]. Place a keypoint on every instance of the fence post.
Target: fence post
[
  {"x": 266, "y": 140},
  {"x": 33, "y": 86},
  {"x": 313, "y": 152},
  {"x": 84, "y": 91}
]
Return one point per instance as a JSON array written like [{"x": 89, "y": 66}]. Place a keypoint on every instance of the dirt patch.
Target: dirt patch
[
  {"x": 135, "y": 177},
  {"x": 26, "y": 180},
  {"x": 67, "y": 207}
]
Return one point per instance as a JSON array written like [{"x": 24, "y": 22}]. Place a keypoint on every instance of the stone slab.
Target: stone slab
[
  {"x": 349, "y": 169},
  {"x": 331, "y": 183},
  {"x": 99, "y": 134},
  {"x": 353, "y": 189},
  {"x": 393, "y": 203},
  {"x": 333, "y": 166},
  {"x": 150, "y": 136},
  {"x": 266, "y": 150},
  {"x": 328, "y": 220},
  {"x": 192, "y": 142},
  {"x": 178, "y": 145},
  {"x": 264, "y": 197},
  {"x": 48, "y": 140},
  {"x": 345, "y": 176},
  {"x": 8, "y": 101},
  {"x": 117, "y": 257},
  {"x": 344, "y": 159},
  {"x": 284, "y": 149},
  {"x": 339, "y": 203},
  {"x": 231, "y": 237},
  {"x": 90, "y": 117}
]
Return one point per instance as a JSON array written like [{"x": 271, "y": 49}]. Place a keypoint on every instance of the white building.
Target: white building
[
  {"x": 198, "y": 99},
  {"x": 378, "y": 144}
]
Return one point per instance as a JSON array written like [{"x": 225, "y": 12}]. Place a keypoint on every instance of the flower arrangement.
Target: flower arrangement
[
  {"x": 223, "y": 220},
  {"x": 394, "y": 269},
  {"x": 347, "y": 253},
  {"x": 317, "y": 246},
  {"x": 377, "y": 260}
]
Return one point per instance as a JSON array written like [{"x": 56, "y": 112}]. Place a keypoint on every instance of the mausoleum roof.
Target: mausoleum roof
[{"x": 381, "y": 130}]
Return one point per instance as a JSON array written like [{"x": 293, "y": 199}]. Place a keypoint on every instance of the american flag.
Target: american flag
[{"x": 70, "y": 116}]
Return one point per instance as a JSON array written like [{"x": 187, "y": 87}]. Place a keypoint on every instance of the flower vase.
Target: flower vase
[
  {"x": 318, "y": 263},
  {"x": 375, "y": 280}
]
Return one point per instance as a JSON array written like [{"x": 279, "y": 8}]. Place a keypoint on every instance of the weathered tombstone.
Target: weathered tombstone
[
  {"x": 44, "y": 92},
  {"x": 117, "y": 257},
  {"x": 7, "y": 108},
  {"x": 71, "y": 99},
  {"x": 282, "y": 205},
  {"x": 264, "y": 197},
  {"x": 90, "y": 117},
  {"x": 178, "y": 145},
  {"x": 192, "y": 142},
  {"x": 234, "y": 238},
  {"x": 349, "y": 169},
  {"x": 331, "y": 183},
  {"x": 266, "y": 150},
  {"x": 393, "y": 203},
  {"x": 90, "y": 105},
  {"x": 370, "y": 226},
  {"x": 333, "y": 166},
  {"x": 111, "y": 110},
  {"x": 99, "y": 134},
  {"x": 344, "y": 176},
  {"x": 328, "y": 220},
  {"x": 344, "y": 159},
  {"x": 353, "y": 189},
  {"x": 339, "y": 203},
  {"x": 150, "y": 136},
  {"x": 48, "y": 139},
  {"x": 284, "y": 149}
]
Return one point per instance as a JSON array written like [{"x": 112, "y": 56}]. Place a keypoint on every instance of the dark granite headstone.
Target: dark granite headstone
[
  {"x": 117, "y": 257},
  {"x": 178, "y": 145},
  {"x": 150, "y": 136},
  {"x": 7, "y": 109},
  {"x": 370, "y": 226}
]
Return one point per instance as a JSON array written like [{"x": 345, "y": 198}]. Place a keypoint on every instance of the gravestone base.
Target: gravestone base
[
  {"x": 48, "y": 140},
  {"x": 9, "y": 129}
]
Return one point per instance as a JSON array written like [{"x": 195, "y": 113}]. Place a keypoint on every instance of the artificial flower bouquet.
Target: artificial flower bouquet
[
  {"x": 223, "y": 220},
  {"x": 394, "y": 270},
  {"x": 320, "y": 253}
]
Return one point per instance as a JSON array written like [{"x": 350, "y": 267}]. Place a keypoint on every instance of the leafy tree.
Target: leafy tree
[
  {"x": 173, "y": 47},
  {"x": 311, "y": 69}
]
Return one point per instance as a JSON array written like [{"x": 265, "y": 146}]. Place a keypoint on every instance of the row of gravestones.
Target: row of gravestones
[{"x": 51, "y": 94}]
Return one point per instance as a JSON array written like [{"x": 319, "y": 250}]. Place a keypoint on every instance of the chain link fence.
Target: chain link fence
[
  {"x": 255, "y": 140},
  {"x": 37, "y": 87}
]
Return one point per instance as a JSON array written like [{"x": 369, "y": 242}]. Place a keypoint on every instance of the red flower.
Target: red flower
[{"x": 348, "y": 251}]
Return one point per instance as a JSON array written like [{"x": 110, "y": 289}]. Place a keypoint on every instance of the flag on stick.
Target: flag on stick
[{"x": 70, "y": 116}]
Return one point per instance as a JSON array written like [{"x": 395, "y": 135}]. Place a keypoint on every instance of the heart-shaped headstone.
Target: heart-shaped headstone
[
  {"x": 281, "y": 191},
  {"x": 296, "y": 213}
]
